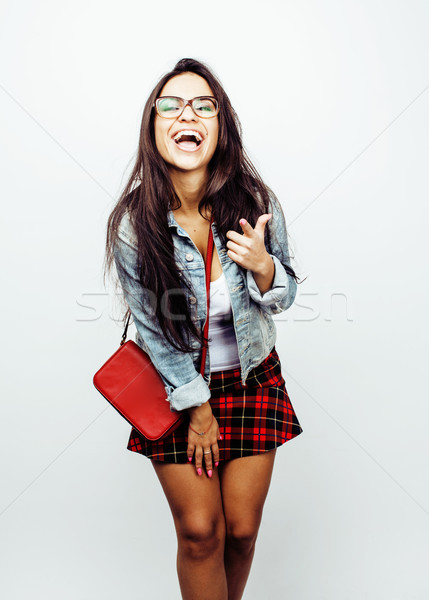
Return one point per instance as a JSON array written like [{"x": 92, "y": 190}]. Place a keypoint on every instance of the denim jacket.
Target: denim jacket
[{"x": 252, "y": 311}]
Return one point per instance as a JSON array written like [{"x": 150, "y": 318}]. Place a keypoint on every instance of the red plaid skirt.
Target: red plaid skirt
[{"x": 252, "y": 419}]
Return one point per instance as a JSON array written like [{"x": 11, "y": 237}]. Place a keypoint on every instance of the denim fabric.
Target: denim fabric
[{"x": 252, "y": 312}]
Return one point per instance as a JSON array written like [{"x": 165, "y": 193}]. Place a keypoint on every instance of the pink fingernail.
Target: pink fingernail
[
  {"x": 199, "y": 471},
  {"x": 209, "y": 472},
  {"x": 242, "y": 221},
  {"x": 216, "y": 464},
  {"x": 220, "y": 437},
  {"x": 190, "y": 458}
]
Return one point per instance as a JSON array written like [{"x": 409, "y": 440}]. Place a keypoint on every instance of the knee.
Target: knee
[
  {"x": 200, "y": 537},
  {"x": 242, "y": 536}
]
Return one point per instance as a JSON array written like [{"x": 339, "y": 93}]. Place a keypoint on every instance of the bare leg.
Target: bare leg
[
  {"x": 196, "y": 506},
  {"x": 244, "y": 485}
]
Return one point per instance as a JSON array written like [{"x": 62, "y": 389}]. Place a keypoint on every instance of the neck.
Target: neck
[{"x": 190, "y": 188}]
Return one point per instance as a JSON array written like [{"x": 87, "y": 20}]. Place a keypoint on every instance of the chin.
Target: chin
[{"x": 188, "y": 165}]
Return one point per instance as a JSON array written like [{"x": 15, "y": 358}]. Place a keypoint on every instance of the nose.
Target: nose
[{"x": 188, "y": 114}]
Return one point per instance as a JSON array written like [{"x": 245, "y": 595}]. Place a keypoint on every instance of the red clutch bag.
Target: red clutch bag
[{"x": 131, "y": 384}]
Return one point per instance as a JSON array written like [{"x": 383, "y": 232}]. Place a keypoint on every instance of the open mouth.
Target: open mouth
[{"x": 188, "y": 139}]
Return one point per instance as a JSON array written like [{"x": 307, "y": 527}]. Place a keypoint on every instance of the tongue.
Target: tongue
[{"x": 187, "y": 145}]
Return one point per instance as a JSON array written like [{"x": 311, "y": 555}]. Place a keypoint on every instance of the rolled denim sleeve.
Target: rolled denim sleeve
[
  {"x": 185, "y": 386},
  {"x": 283, "y": 288}
]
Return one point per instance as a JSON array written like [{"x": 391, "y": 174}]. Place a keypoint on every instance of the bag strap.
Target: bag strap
[
  {"x": 124, "y": 335},
  {"x": 208, "y": 268},
  {"x": 208, "y": 275}
]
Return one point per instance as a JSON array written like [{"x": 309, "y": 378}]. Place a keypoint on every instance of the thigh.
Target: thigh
[
  {"x": 195, "y": 500},
  {"x": 244, "y": 487}
]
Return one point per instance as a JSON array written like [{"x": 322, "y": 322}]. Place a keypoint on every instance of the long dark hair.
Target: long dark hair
[{"x": 234, "y": 189}]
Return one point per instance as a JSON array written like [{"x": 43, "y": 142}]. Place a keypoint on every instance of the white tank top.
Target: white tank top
[{"x": 223, "y": 346}]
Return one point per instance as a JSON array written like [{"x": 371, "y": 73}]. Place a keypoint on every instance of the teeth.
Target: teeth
[{"x": 188, "y": 132}]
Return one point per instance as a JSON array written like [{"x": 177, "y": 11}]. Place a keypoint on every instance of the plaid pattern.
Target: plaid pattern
[{"x": 253, "y": 418}]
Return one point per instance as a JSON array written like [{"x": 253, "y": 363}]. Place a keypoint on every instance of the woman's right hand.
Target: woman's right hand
[{"x": 205, "y": 447}]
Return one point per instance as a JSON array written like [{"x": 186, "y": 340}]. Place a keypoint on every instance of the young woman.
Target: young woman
[{"x": 215, "y": 469}]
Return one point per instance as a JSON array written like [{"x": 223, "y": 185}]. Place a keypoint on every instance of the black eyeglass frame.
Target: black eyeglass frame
[{"x": 185, "y": 104}]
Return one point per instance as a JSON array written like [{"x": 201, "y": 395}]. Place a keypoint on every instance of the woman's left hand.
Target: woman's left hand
[{"x": 248, "y": 249}]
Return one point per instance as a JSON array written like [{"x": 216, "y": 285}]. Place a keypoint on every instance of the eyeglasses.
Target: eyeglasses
[{"x": 171, "y": 107}]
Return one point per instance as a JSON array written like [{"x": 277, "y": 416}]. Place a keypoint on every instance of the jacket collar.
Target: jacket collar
[{"x": 171, "y": 220}]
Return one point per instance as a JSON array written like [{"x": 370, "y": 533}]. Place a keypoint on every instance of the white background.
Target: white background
[{"x": 333, "y": 97}]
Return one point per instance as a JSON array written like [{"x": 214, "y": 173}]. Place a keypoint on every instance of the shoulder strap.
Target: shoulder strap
[
  {"x": 208, "y": 268},
  {"x": 208, "y": 275},
  {"x": 124, "y": 335}
]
